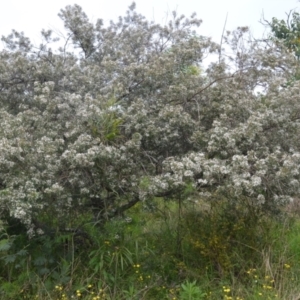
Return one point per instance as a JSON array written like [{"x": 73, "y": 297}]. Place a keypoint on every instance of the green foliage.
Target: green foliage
[
  {"x": 192, "y": 70},
  {"x": 293, "y": 241},
  {"x": 226, "y": 235},
  {"x": 131, "y": 293},
  {"x": 190, "y": 291},
  {"x": 227, "y": 252},
  {"x": 106, "y": 126},
  {"x": 288, "y": 31}
]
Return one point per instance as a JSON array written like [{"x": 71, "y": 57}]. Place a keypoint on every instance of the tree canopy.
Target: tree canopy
[
  {"x": 125, "y": 112},
  {"x": 288, "y": 31}
]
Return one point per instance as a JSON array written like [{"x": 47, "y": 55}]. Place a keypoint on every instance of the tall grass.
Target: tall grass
[{"x": 171, "y": 250}]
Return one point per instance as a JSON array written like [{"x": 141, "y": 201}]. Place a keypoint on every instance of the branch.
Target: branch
[
  {"x": 124, "y": 207},
  {"x": 208, "y": 85},
  {"x": 220, "y": 53}
]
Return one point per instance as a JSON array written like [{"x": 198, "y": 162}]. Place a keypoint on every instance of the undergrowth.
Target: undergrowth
[{"x": 199, "y": 250}]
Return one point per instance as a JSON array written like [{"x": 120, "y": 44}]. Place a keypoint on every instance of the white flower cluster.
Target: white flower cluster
[{"x": 134, "y": 115}]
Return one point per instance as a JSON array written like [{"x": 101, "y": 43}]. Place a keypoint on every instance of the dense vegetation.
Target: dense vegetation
[{"x": 129, "y": 170}]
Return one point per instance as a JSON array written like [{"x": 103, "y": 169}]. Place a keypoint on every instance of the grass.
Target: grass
[{"x": 171, "y": 251}]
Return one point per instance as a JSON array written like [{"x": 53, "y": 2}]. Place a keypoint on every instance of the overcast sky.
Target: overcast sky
[{"x": 31, "y": 16}]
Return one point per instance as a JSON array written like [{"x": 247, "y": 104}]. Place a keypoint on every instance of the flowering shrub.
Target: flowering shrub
[{"x": 126, "y": 112}]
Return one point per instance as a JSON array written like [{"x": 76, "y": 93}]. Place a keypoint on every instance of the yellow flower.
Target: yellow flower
[
  {"x": 251, "y": 271},
  {"x": 267, "y": 287},
  {"x": 226, "y": 289},
  {"x": 58, "y": 287}
]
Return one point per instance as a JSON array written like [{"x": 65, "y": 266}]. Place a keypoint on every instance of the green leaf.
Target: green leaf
[
  {"x": 10, "y": 258},
  {"x": 39, "y": 261},
  {"x": 5, "y": 244}
]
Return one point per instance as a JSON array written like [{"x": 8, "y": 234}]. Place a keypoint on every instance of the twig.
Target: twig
[{"x": 220, "y": 52}]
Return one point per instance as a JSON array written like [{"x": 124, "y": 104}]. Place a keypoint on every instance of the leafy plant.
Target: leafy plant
[
  {"x": 190, "y": 291},
  {"x": 131, "y": 293}
]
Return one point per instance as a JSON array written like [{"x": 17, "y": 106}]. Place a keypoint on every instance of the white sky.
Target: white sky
[{"x": 31, "y": 16}]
